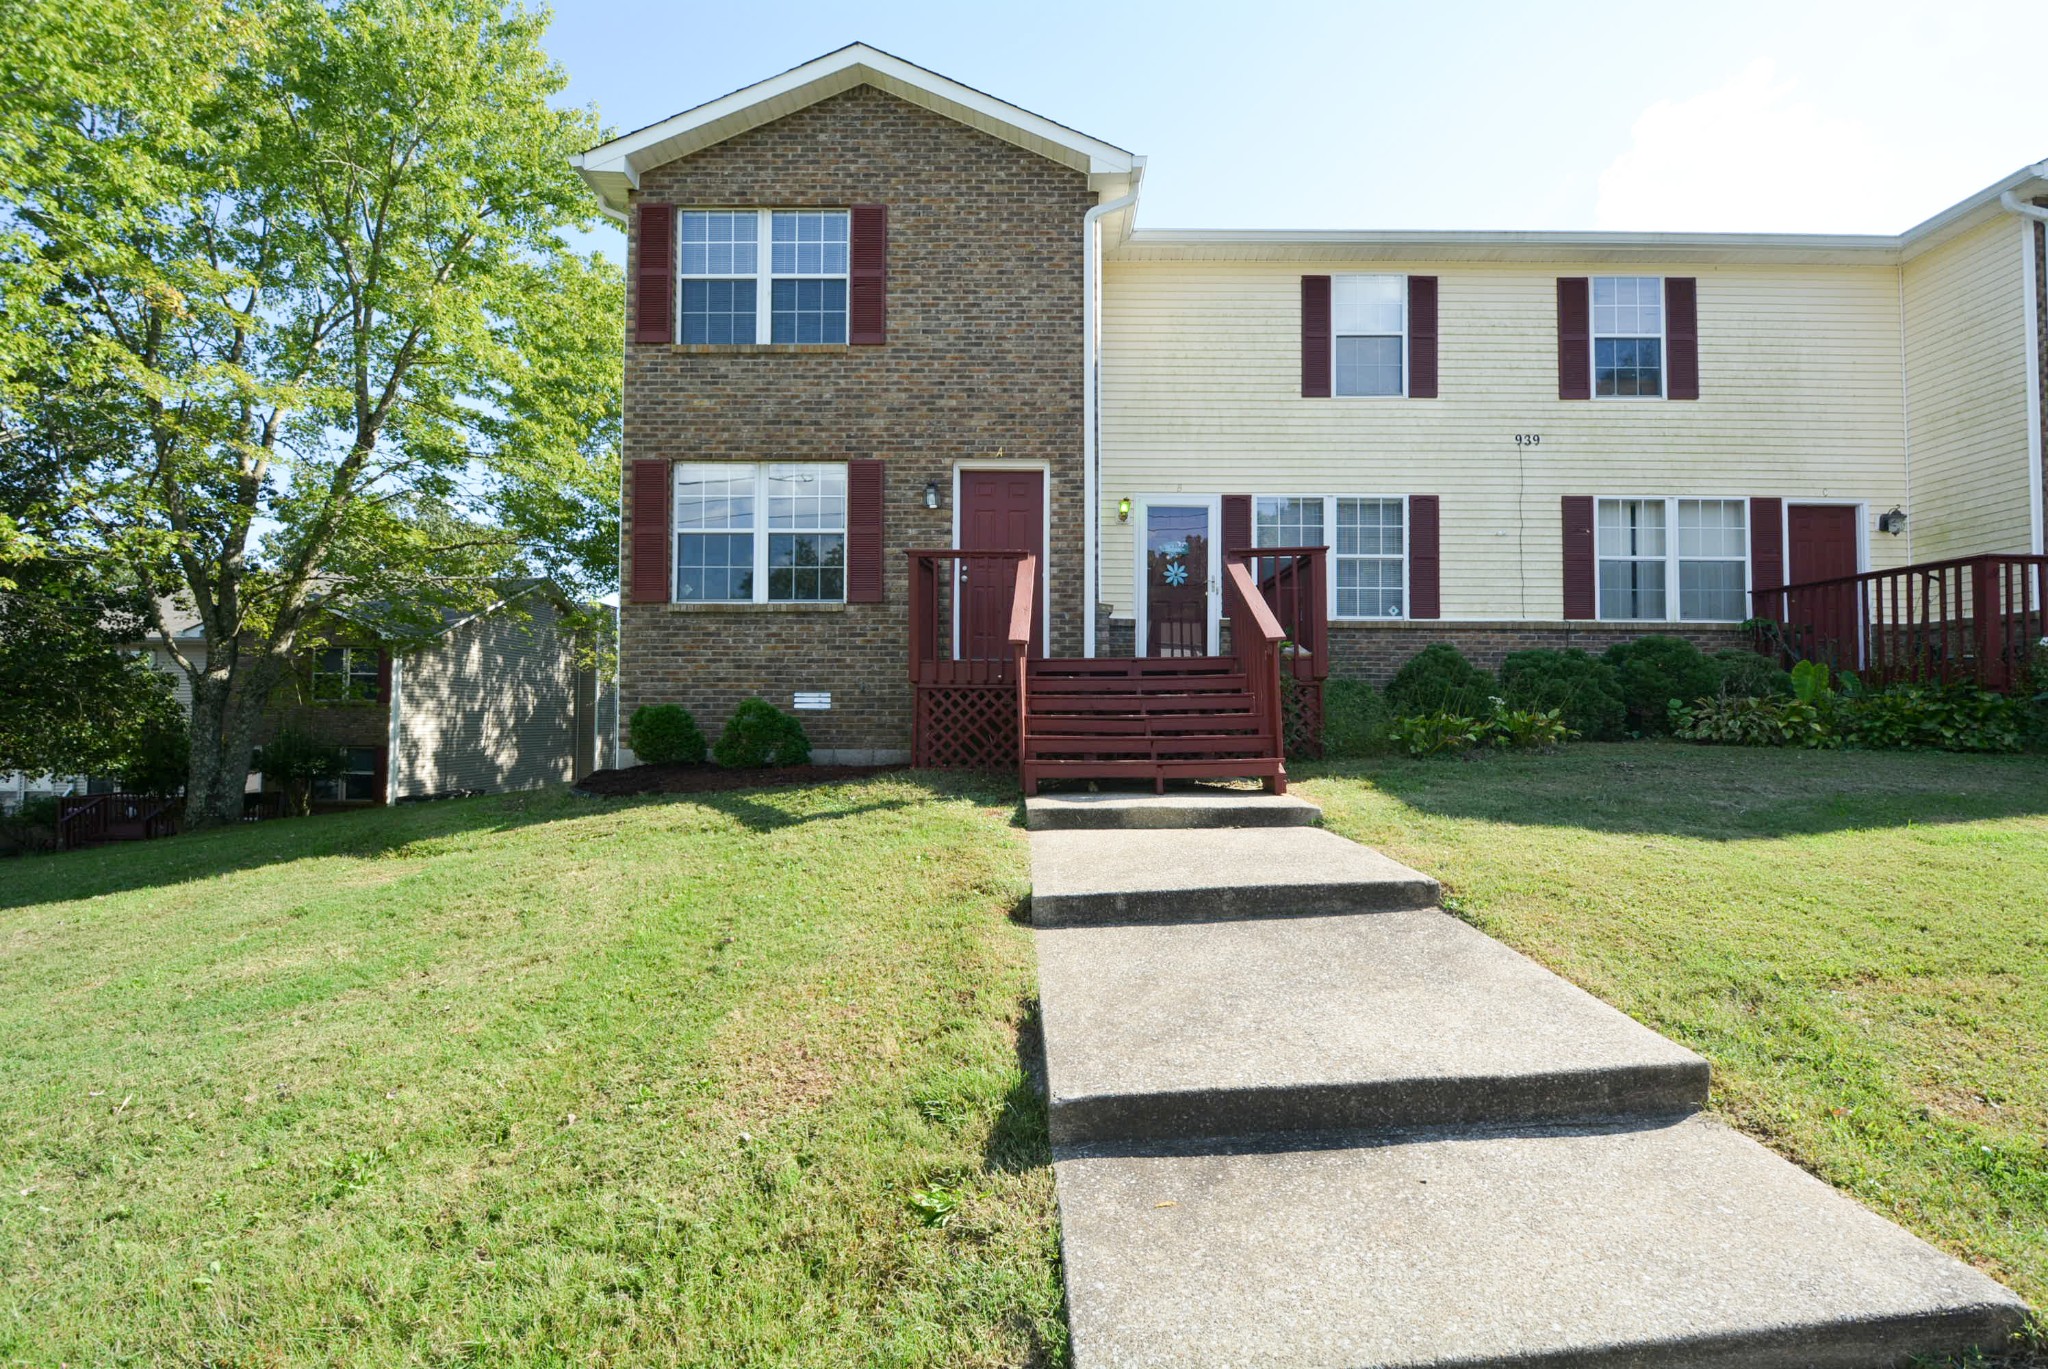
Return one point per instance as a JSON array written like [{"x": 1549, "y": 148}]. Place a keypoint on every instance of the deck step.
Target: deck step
[
  {"x": 1106, "y": 877},
  {"x": 1126, "y": 811},
  {"x": 1274, "y": 1025},
  {"x": 1676, "y": 1244}
]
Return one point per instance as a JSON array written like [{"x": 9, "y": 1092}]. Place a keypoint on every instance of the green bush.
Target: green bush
[
  {"x": 1747, "y": 675},
  {"x": 1655, "y": 670},
  {"x": 1440, "y": 680},
  {"x": 1958, "y": 717},
  {"x": 1583, "y": 689},
  {"x": 1434, "y": 734},
  {"x": 1355, "y": 720},
  {"x": 666, "y": 734},
  {"x": 1752, "y": 721},
  {"x": 761, "y": 734},
  {"x": 293, "y": 759},
  {"x": 1502, "y": 728},
  {"x": 1524, "y": 729}
]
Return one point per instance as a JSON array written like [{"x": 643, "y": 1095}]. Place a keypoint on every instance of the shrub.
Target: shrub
[
  {"x": 1747, "y": 675},
  {"x": 293, "y": 759},
  {"x": 1355, "y": 719},
  {"x": 666, "y": 734},
  {"x": 1958, "y": 717},
  {"x": 1655, "y": 670},
  {"x": 32, "y": 826},
  {"x": 1440, "y": 680},
  {"x": 761, "y": 734},
  {"x": 1434, "y": 734},
  {"x": 1752, "y": 721},
  {"x": 1584, "y": 690},
  {"x": 1524, "y": 729}
]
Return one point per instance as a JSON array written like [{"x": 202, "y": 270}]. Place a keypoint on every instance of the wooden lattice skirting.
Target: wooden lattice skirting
[{"x": 966, "y": 726}]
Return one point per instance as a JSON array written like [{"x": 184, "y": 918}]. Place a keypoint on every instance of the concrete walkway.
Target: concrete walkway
[{"x": 1301, "y": 1118}]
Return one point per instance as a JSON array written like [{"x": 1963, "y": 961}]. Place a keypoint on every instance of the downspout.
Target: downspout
[
  {"x": 1091, "y": 402},
  {"x": 2037, "y": 476}
]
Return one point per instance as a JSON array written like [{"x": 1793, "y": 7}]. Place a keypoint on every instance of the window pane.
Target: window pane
[
  {"x": 714, "y": 567},
  {"x": 808, "y": 243},
  {"x": 1713, "y": 528},
  {"x": 807, "y": 566},
  {"x": 1368, "y": 366},
  {"x": 1628, "y": 367},
  {"x": 807, "y": 496},
  {"x": 809, "y": 311},
  {"x": 1628, "y": 306},
  {"x": 1710, "y": 591},
  {"x": 714, "y": 495},
  {"x": 1632, "y": 589},
  {"x": 1284, "y": 522},
  {"x": 1369, "y": 527},
  {"x": 718, "y": 311},
  {"x": 720, "y": 244},
  {"x": 1368, "y": 587},
  {"x": 1368, "y": 304},
  {"x": 1631, "y": 527}
]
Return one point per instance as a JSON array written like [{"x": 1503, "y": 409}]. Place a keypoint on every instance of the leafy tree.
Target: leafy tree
[{"x": 306, "y": 332}]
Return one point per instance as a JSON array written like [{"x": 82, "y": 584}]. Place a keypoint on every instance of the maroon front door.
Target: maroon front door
[
  {"x": 999, "y": 511},
  {"x": 1821, "y": 545}
]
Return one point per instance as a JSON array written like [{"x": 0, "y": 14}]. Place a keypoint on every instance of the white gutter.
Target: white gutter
[
  {"x": 2037, "y": 459},
  {"x": 2011, "y": 200},
  {"x": 1091, "y": 401}
]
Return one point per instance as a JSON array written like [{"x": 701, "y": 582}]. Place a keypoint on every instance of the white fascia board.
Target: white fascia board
[
  {"x": 609, "y": 165},
  {"x": 1155, "y": 244},
  {"x": 1978, "y": 209}
]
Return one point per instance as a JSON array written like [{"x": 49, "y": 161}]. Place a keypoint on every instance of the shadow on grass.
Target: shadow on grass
[
  {"x": 1019, "y": 1140},
  {"x": 372, "y": 833},
  {"x": 1705, "y": 792}
]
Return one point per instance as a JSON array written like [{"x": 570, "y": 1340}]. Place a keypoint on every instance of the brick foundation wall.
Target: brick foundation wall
[{"x": 982, "y": 363}]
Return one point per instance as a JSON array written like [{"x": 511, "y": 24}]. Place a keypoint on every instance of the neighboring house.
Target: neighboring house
[
  {"x": 496, "y": 700},
  {"x": 875, "y": 312}
]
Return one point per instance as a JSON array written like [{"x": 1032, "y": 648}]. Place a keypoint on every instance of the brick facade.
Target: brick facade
[{"x": 982, "y": 363}]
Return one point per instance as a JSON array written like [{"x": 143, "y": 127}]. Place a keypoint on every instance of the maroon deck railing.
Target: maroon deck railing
[
  {"x": 1255, "y": 637},
  {"x": 86, "y": 818},
  {"x": 1293, "y": 582},
  {"x": 1975, "y": 619},
  {"x": 964, "y": 669}
]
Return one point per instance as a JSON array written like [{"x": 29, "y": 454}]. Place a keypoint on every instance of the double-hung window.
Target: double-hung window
[
  {"x": 1369, "y": 556},
  {"x": 773, "y": 532},
  {"x": 345, "y": 672},
  {"x": 1640, "y": 560},
  {"x": 764, "y": 275},
  {"x": 1369, "y": 328},
  {"x": 1628, "y": 337},
  {"x": 357, "y": 782}
]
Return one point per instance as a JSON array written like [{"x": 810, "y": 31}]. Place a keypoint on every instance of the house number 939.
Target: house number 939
[{"x": 1528, "y": 439}]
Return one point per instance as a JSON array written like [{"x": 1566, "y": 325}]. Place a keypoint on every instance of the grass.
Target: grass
[
  {"x": 1857, "y": 941},
  {"x": 713, "y": 1081}
]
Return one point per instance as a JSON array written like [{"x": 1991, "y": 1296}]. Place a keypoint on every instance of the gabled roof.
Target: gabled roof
[{"x": 613, "y": 168}]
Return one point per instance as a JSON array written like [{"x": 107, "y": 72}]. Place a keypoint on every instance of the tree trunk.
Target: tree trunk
[{"x": 225, "y": 714}]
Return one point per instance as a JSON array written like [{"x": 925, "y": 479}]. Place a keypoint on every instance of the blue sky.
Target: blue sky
[{"x": 1769, "y": 117}]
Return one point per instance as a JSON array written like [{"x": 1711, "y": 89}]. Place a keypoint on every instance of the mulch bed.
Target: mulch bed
[{"x": 705, "y": 778}]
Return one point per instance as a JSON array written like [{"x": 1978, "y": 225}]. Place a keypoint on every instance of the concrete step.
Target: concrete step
[
  {"x": 1681, "y": 1244},
  {"x": 1126, "y": 876},
  {"x": 1216, "y": 808},
  {"x": 1396, "y": 1020}
]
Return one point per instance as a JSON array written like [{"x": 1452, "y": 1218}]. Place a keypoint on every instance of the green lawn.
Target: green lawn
[
  {"x": 531, "y": 1081},
  {"x": 1857, "y": 941}
]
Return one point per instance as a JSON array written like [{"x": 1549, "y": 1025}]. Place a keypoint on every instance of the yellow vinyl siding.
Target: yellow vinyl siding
[
  {"x": 1966, "y": 375},
  {"x": 1799, "y": 381}
]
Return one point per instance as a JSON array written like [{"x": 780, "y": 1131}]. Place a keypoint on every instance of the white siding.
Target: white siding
[
  {"x": 1800, "y": 397},
  {"x": 1966, "y": 372}
]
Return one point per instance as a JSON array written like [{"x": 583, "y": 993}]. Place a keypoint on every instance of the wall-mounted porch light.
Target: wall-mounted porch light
[
  {"x": 1893, "y": 522},
  {"x": 931, "y": 494},
  {"x": 1123, "y": 509}
]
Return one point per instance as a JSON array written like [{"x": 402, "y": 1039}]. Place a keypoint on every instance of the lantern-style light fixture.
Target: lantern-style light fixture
[
  {"x": 931, "y": 494},
  {"x": 1893, "y": 522},
  {"x": 1123, "y": 509}
]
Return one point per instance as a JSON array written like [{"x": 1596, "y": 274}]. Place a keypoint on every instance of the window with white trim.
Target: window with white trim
[
  {"x": 1288, "y": 521},
  {"x": 1628, "y": 337},
  {"x": 1369, "y": 561},
  {"x": 764, "y": 275},
  {"x": 357, "y": 782},
  {"x": 345, "y": 672},
  {"x": 773, "y": 532},
  {"x": 1369, "y": 332},
  {"x": 1640, "y": 559}
]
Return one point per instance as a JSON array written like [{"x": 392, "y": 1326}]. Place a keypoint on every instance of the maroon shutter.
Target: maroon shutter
[
  {"x": 653, "y": 297},
  {"x": 1574, "y": 340},
  {"x": 383, "y": 677},
  {"x": 1580, "y": 601},
  {"x": 1237, "y": 522},
  {"x": 863, "y": 532},
  {"x": 647, "y": 494},
  {"x": 380, "y": 776},
  {"x": 1425, "y": 598},
  {"x": 1422, "y": 339},
  {"x": 1315, "y": 337},
  {"x": 867, "y": 310},
  {"x": 1766, "y": 556},
  {"x": 1682, "y": 337}
]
